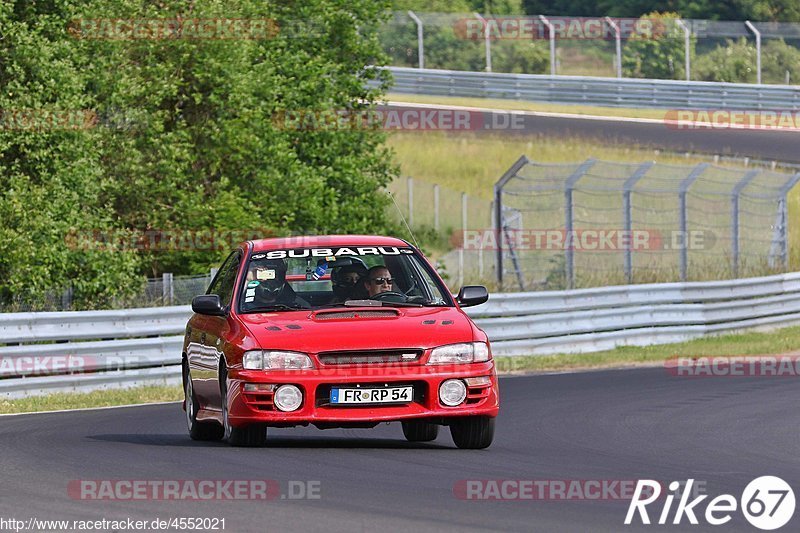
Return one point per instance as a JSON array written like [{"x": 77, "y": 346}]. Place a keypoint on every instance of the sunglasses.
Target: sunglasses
[{"x": 382, "y": 281}]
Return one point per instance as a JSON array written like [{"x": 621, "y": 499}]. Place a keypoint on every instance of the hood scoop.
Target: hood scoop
[{"x": 354, "y": 314}]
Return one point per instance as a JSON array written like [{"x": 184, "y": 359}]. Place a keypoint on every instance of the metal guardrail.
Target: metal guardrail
[
  {"x": 614, "y": 92},
  {"x": 595, "y": 319},
  {"x": 535, "y": 323}
]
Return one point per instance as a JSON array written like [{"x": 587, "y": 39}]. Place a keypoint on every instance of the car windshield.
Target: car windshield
[{"x": 313, "y": 278}]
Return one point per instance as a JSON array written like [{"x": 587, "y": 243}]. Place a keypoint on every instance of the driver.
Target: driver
[
  {"x": 378, "y": 280},
  {"x": 268, "y": 286}
]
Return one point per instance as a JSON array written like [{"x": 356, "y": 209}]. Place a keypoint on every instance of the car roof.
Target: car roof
[{"x": 325, "y": 241}]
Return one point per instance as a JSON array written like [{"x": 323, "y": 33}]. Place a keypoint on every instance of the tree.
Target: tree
[
  {"x": 659, "y": 54},
  {"x": 195, "y": 139}
]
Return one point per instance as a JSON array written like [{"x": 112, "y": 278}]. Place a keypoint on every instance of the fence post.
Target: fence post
[
  {"x": 778, "y": 244},
  {"x": 628, "y": 214},
  {"x": 499, "y": 225},
  {"x": 66, "y": 298},
  {"x": 461, "y": 249},
  {"x": 420, "y": 45},
  {"x": 167, "y": 289},
  {"x": 569, "y": 252},
  {"x": 436, "y": 207},
  {"x": 687, "y": 43},
  {"x": 552, "y": 33},
  {"x": 758, "y": 49},
  {"x": 492, "y": 219},
  {"x": 410, "y": 183},
  {"x": 785, "y": 216},
  {"x": 488, "y": 41},
  {"x": 748, "y": 177},
  {"x": 617, "y": 38},
  {"x": 683, "y": 216}
]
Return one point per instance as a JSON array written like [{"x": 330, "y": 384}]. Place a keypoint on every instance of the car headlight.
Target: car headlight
[
  {"x": 468, "y": 352},
  {"x": 276, "y": 360}
]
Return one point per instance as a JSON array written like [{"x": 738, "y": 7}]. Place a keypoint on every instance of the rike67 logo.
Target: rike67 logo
[{"x": 767, "y": 503}]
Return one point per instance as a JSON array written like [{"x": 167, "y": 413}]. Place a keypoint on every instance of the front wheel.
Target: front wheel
[
  {"x": 198, "y": 430},
  {"x": 419, "y": 431},
  {"x": 252, "y": 435},
  {"x": 473, "y": 432}
]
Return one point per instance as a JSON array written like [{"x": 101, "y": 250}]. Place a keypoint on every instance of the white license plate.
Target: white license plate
[{"x": 380, "y": 395}]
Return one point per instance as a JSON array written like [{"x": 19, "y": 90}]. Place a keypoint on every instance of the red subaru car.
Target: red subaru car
[{"x": 336, "y": 331}]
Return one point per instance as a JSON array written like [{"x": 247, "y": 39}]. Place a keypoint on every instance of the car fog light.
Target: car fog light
[
  {"x": 452, "y": 392},
  {"x": 288, "y": 398}
]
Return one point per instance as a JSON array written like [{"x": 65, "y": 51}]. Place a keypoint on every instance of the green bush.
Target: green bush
[
  {"x": 659, "y": 55},
  {"x": 736, "y": 61}
]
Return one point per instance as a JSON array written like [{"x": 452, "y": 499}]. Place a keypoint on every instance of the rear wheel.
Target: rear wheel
[
  {"x": 420, "y": 431},
  {"x": 198, "y": 430},
  {"x": 251, "y": 435},
  {"x": 473, "y": 432}
]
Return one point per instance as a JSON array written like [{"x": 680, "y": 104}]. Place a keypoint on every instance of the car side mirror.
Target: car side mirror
[
  {"x": 208, "y": 304},
  {"x": 470, "y": 295}
]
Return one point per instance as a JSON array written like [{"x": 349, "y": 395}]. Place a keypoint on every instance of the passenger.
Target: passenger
[{"x": 346, "y": 283}]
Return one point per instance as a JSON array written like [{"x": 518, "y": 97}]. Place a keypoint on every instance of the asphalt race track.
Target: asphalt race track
[
  {"x": 609, "y": 425},
  {"x": 758, "y": 144}
]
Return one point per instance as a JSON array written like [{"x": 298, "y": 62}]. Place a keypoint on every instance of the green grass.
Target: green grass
[
  {"x": 775, "y": 342},
  {"x": 100, "y": 398},
  {"x": 473, "y": 163}
]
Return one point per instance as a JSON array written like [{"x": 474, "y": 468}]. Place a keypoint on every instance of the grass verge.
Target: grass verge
[
  {"x": 99, "y": 398},
  {"x": 774, "y": 342},
  {"x": 473, "y": 163}
]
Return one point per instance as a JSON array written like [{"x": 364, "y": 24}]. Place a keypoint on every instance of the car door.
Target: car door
[{"x": 205, "y": 355}]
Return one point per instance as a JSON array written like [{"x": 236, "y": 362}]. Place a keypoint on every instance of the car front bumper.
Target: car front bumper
[{"x": 258, "y": 407}]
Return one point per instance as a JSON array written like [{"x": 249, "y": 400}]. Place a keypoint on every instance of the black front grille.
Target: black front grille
[{"x": 370, "y": 357}]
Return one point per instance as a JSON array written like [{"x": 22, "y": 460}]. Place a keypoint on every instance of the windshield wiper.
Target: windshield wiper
[
  {"x": 370, "y": 303},
  {"x": 277, "y": 307},
  {"x": 401, "y": 304}
]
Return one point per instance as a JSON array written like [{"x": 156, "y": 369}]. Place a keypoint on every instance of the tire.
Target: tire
[
  {"x": 420, "y": 431},
  {"x": 198, "y": 430},
  {"x": 473, "y": 433},
  {"x": 251, "y": 436}
]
